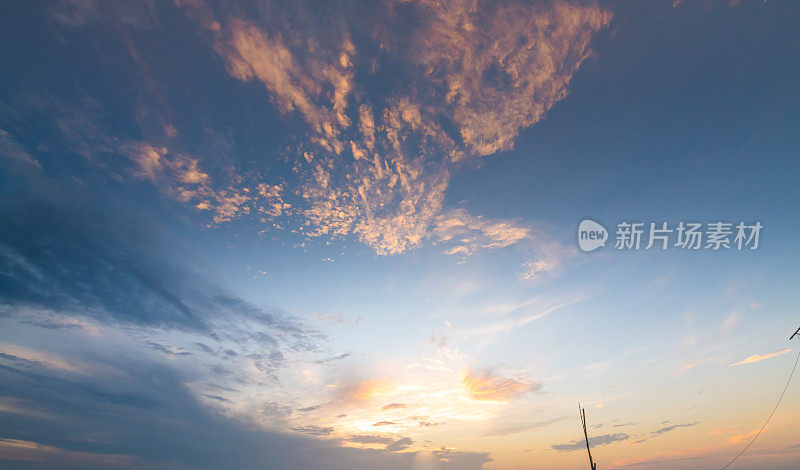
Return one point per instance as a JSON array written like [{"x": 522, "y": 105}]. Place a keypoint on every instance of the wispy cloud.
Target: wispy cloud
[
  {"x": 392, "y": 444},
  {"x": 182, "y": 177},
  {"x": 595, "y": 441},
  {"x": 488, "y": 387},
  {"x": 660, "y": 431},
  {"x": 525, "y": 426},
  {"x": 314, "y": 430},
  {"x": 12, "y": 153},
  {"x": 26, "y": 356},
  {"x": 672, "y": 427},
  {"x": 394, "y": 406},
  {"x": 758, "y": 357},
  {"x": 729, "y": 323},
  {"x": 743, "y": 436}
]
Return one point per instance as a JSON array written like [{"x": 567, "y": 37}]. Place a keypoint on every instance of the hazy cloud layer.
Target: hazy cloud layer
[{"x": 140, "y": 414}]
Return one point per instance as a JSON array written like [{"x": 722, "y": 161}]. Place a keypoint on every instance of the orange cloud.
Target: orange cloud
[
  {"x": 477, "y": 73},
  {"x": 637, "y": 442},
  {"x": 502, "y": 65},
  {"x": 757, "y": 357},
  {"x": 182, "y": 177},
  {"x": 250, "y": 54},
  {"x": 394, "y": 406},
  {"x": 737, "y": 437},
  {"x": 743, "y": 436},
  {"x": 365, "y": 390},
  {"x": 485, "y": 387}
]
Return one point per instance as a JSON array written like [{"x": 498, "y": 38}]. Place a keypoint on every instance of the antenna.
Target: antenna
[
  {"x": 796, "y": 333},
  {"x": 592, "y": 465}
]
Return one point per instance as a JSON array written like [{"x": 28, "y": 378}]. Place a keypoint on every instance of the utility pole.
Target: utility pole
[
  {"x": 592, "y": 465},
  {"x": 796, "y": 333}
]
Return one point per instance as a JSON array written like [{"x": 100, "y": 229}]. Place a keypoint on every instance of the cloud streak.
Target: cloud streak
[
  {"x": 595, "y": 441},
  {"x": 759, "y": 357}
]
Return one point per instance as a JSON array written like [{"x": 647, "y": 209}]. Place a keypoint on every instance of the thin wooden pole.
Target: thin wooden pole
[{"x": 592, "y": 465}]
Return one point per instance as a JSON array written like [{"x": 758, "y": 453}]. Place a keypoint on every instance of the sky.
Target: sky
[{"x": 345, "y": 235}]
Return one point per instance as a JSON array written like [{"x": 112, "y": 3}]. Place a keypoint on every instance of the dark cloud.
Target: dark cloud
[
  {"x": 422, "y": 421},
  {"x": 19, "y": 361},
  {"x": 217, "y": 398},
  {"x": 275, "y": 409},
  {"x": 334, "y": 359},
  {"x": 400, "y": 444},
  {"x": 391, "y": 444},
  {"x": 314, "y": 430},
  {"x": 613, "y": 423},
  {"x": 309, "y": 409},
  {"x": 459, "y": 459},
  {"x": 593, "y": 441},
  {"x": 428, "y": 424},
  {"x": 665, "y": 429},
  {"x": 168, "y": 349},
  {"x": 370, "y": 439},
  {"x": 203, "y": 347}
]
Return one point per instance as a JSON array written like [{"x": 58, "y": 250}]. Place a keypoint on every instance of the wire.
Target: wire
[{"x": 769, "y": 418}]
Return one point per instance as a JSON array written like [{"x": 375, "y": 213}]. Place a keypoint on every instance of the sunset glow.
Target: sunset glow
[{"x": 399, "y": 234}]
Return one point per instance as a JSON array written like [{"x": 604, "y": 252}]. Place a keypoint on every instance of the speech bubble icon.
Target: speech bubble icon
[{"x": 591, "y": 235}]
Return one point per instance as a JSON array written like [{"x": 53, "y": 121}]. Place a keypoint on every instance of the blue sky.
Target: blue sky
[{"x": 303, "y": 235}]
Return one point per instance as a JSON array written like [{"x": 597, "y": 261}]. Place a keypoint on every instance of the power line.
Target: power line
[{"x": 770, "y": 415}]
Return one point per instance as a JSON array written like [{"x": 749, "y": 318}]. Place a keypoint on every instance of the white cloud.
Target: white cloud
[{"x": 758, "y": 357}]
